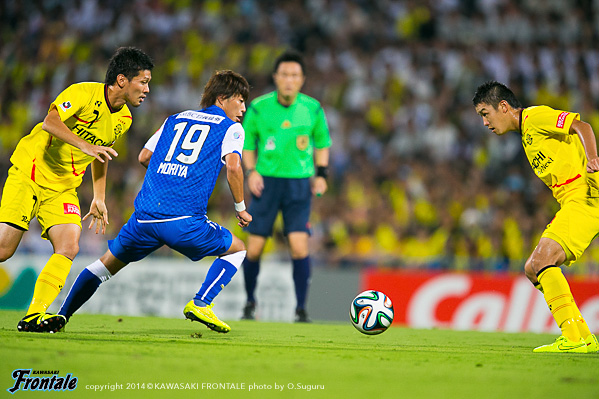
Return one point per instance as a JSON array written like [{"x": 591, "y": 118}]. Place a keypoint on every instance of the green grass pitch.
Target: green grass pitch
[{"x": 129, "y": 355}]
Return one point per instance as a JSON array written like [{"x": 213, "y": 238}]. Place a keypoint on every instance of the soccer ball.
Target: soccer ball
[{"x": 371, "y": 312}]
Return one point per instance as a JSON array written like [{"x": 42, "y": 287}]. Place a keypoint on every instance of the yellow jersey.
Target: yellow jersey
[
  {"x": 85, "y": 110},
  {"x": 556, "y": 156}
]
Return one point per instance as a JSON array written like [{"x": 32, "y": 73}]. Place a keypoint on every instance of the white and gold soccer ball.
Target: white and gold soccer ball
[{"x": 371, "y": 312}]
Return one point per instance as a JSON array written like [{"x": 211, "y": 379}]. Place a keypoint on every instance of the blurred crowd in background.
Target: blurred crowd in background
[{"x": 416, "y": 180}]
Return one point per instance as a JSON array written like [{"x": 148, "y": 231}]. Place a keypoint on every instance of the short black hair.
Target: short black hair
[
  {"x": 224, "y": 83},
  {"x": 290, "y": 56},
  {"x": 493, "y": 92},
  {"x": 127, "y": 61}
]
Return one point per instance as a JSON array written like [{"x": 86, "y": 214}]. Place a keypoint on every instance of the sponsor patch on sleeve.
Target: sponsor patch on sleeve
[
  {"x": 561, "y": 120},
  {"x": 65, "y": 105}
]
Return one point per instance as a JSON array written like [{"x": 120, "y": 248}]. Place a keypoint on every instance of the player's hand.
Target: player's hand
[
  {"x": 99, "y": 214},
  {"x": 256, "y": 183},
  {"x": 593, "y": 165},
  {"x": 319, "y": 186},
  {"x": 244, "y": 218},
  {"x": 99, "y": 152}
]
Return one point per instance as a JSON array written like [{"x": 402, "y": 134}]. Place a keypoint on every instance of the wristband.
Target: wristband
[
  {"x": 240, "y": 206},
  {"x": 248, "y": 172},
  {"x": 322, "y": 171}
]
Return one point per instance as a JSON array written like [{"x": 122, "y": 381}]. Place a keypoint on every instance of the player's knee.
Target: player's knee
[
  {"x": 236, "y": 246},
  {"x": 299, "y": 253},
  {"x": 70, "y": 251},
  {"x": 531, "y": 274}
]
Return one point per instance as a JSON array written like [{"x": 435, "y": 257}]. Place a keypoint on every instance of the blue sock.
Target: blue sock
[
  {"x": 250, "y": 275},
  {"x": 301, "y": 279},
  {"x": 83, "y": 288},
  {"x": 219, "y": 275}
]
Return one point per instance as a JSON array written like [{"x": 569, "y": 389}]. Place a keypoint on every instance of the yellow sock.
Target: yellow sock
[
  {"x": 560, "y": 301},
  {"x": 582, "y": 325},
  {"x": 49, "y": 283}
]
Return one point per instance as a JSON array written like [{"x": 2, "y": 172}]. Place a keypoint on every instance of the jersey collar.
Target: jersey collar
[
  {"x": 521, "y": 121},
  {"x": 112, "y": 110}
]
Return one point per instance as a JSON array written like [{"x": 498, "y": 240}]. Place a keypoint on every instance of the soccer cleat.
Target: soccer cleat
[
  {"x": 592, "y": 344},
  {"x": 248, "y": 311},
  {"x": 42, "y": 323},
  {"x": 563, "y": 345},
  {"x": 301, "y": 316},
  {"x": 206, "y": 316}
]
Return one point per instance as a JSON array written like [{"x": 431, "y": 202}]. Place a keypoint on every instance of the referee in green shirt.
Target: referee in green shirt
[{"x": 286, "y": 143}]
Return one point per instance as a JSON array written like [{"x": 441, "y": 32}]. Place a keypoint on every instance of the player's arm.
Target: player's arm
[
  {"x": 321, "y": 158},
  {"x": 144, "y": 157},
  {"x": 235, "y": 180},
  {"x": 146, "y": 153},
  {"x": 56, "y": 127},
  {"x": 587, "y": 137},
  {"x": 255, "y": 180},
  {"x": 97, "y": 209}
]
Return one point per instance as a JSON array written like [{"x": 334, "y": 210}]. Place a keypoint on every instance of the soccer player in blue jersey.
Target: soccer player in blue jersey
[{"x": 187, "y": 154}]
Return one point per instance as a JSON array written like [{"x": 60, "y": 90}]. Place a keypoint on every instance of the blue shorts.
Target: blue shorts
[
  {"x": 194, "y": 237},
  {"x": 293, "y": 197}
]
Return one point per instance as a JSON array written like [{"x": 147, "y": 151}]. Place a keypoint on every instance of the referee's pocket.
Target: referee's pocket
[{"x": 299, "y": 189}]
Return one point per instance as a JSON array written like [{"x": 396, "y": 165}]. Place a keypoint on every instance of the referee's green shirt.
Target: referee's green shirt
[{"x": 285, "y": 137}]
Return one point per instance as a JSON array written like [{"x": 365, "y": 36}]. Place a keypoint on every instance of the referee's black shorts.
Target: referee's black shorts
[{"x": 293, "y": 197}]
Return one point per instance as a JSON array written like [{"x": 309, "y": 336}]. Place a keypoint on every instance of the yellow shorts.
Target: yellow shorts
[
  {"x": 575, "y": 225},
  {"x": 23, "y": 199}
]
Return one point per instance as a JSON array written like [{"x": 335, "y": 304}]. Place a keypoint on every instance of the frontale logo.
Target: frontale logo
[{"x": 54, "y": 383}]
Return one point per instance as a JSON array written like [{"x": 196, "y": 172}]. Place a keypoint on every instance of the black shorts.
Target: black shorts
[{"x": 293, "y": 197}]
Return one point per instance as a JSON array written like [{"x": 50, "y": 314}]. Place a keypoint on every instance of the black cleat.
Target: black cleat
[
  {"x": 248, "y": 311},
  {"x": 301, "y": 316},
  {"x": 42, "y": 323}
]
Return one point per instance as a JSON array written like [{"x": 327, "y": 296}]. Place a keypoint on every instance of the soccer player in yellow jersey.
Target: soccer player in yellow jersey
[
  {"x": 80, "y": 128},
  {"x": 562, "y": 151}
]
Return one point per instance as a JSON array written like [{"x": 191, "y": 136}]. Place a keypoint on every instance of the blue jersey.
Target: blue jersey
[{"x": 188, "y": 155}]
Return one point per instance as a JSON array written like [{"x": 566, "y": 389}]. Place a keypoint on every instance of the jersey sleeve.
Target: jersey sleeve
[
  {"x": 553, "y": 121},
  {"x": 250, "y": 128},
  {"x": 151, "y": 143},
  {"x": 71, "y": 100},
  {"x": 322, "y": 137},
  {"x": 233, "y": 141}
]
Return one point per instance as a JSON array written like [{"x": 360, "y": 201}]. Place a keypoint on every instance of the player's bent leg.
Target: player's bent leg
[
  {"x": 543, "y": 261},
  {"x": 557, "y": 291},
  {"x": 86, "y": 284},
  {"x": 49, "y": 283},
  {"x": 219, "y": 275}
]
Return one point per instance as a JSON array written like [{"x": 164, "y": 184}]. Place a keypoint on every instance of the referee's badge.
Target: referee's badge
[{"x": 302, "y": 142}]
